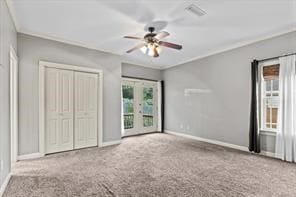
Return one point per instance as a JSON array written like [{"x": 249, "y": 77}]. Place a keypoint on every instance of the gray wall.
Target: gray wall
[
  {"x": 131, "y": 70},
  {"x": 31, "y": 50},
  {"x": 221, "y": 108},
  {"x": 7, "y": 39}
]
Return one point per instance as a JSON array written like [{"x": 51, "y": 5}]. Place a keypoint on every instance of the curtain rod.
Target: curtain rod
[{"x": 271, "y": 58}]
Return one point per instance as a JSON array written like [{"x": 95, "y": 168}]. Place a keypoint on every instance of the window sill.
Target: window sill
[{"x": 268, "y": 132}]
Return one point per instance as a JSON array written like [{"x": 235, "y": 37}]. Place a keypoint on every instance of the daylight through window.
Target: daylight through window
[{"x": 270, "y": 97}]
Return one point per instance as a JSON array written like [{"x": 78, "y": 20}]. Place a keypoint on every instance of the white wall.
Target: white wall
[
  {"x": 131, "y": 70},
  {"x": 7, "y": 39},
  {"x": 31, "y": 50},
  {"x": 221, "y": 110}
]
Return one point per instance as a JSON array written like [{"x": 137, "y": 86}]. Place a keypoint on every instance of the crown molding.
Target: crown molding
[
  {"x": 237, "y": 45},
  {"x": 124, "y": 60},
  {"x": 79, "y": 44},
  {"x": 152, "y": 66},
  {"x": 65, "y": 41},
  {"x": 19, "y": 29},
  {"x": 12, "y": 12},
  {"x": 49, "y": 37}
]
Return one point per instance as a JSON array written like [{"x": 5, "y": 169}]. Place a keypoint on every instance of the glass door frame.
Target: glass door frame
[
  {"x": 132, "y": 130},
  {"x": 153, "y": 127},
  {"x": 138, "y": 118}
]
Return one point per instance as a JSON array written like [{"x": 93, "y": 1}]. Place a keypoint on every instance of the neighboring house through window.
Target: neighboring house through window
[{"x": 270, "y": 96}]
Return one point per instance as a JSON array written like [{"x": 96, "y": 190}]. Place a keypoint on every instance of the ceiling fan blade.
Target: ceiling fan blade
[
  {"x": 170, "y": 45},
  {"x": 161, "y": 35},
  {"x": 133, "y": 37},
  {"x": 136, "y": 47}
]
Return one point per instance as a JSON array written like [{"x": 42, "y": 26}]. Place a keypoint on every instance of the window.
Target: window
[
  {"x": 147, "y": 107},
  {"x": 270, "y": 97},
  {"x": 128, "y": 106}
]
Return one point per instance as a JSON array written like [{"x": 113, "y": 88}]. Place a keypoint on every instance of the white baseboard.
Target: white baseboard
[
  {"x": 4, "y": 184},
  {"x": 268, "y": 154},
  {"x": 30, "y": 156},
  {"x": 216, "y": 142},
  {"x": 110, "y": 143},
  {"x": 38, "y": 155},
  {"x": 242, "y": 148}
]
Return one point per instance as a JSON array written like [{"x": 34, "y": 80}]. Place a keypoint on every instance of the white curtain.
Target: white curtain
[
  {"x": 286, "y": 136},
  {"x": 159, "y": 99},
  {"x": 122, "y": 113}
]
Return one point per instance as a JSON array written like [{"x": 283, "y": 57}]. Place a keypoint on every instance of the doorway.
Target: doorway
[
  {"x": 13, "y": 105},
  {"x": 140, "y": 106}
]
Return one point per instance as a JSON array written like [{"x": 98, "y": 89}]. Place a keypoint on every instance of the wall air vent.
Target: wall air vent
[{"x": 195, "y": 10}]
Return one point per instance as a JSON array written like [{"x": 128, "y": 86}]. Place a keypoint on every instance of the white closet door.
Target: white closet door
[
  {"x": 59, "y": 110},
  {"x": 86, "y": 110}
]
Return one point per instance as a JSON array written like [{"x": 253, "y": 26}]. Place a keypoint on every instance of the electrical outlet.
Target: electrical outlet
[
  {"x": 188, "y": 127},
  {"x": 1, "y": 165},
  {"x": 181, "y": 126}
]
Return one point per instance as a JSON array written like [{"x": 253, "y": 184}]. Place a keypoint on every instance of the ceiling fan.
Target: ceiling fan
[{"x": 151, "y": 43}]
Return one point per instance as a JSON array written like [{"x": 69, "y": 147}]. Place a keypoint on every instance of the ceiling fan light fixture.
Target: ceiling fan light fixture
[
  {"x": 150, "y": 48},
  {"x": 151, "y": 44}
]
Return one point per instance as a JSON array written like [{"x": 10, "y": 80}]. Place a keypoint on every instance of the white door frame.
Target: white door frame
[
  {"x": 13, "y": 105},
  {"x": 132, "y": 131},
  {"x": 42, "y": 66},
  {"x": 135, "y": 131}
]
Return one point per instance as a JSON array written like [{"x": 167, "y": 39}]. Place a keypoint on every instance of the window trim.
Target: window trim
[
  {"x": 267, "y": 132},
  {"x": 264, "y": 64}
]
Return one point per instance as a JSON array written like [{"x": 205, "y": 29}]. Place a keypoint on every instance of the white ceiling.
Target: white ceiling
[{"x": 101, "y": 24}]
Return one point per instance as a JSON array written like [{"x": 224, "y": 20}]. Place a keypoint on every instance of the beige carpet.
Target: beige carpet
[{"x": 154, "y": 165}]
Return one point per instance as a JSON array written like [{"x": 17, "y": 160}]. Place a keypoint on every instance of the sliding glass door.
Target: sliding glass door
[{"x": 139, "y": 106}]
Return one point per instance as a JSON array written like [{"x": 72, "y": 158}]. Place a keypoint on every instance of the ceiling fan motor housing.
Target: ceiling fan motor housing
[
  {"x": 151, "y": 29},
  {"x": 149, "y": 38}
]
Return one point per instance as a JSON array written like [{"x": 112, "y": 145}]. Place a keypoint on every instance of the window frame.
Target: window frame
[{"x": 262, "y": 96}]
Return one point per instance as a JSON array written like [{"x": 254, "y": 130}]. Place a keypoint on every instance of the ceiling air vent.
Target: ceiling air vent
[{"x": 195, "y": 10}]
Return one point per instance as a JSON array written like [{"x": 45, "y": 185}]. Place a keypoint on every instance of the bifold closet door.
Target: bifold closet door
[
  {"x": 59, "y": 110},
  {"x": 86, "y": 109}
]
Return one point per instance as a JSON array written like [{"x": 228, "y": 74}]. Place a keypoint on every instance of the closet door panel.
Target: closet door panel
[
  {"x": 52, "y": 110},
  {"x": 59, "y": 110},
  {"x": 92, "y": 108},
  {"x": 66, "y": 110},
  {"x": 86, "y": 104},
  {"x": 52, "y": 129},
  {"x": 80, "y": 122}
]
